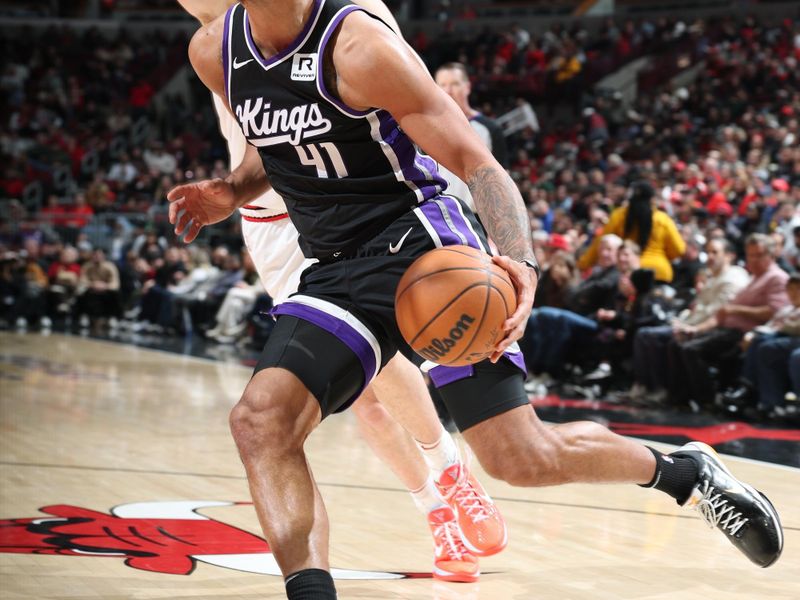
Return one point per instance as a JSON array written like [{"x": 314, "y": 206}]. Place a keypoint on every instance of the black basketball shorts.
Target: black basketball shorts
[{"x": 338, "y": 331}]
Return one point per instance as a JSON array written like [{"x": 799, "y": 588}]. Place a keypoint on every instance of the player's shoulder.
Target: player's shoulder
[
  {"x": 205, "y": 54},
  {"x": 362, "y": 32},
  {"x": 206, "y": 42}
]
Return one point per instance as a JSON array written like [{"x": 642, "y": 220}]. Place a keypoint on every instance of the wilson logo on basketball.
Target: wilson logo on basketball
[{"x": 440, "y": 347}]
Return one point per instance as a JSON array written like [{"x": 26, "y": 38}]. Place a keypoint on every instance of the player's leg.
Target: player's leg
[
  {"x": 512, "y": 444},
  {"x": 304, "y": 374},
  {"x": 270, "y": 424},
  {"x": 398, "y": 450},
  {"x": 390, "y": 442},
  {"x": 401, "y": 388}
]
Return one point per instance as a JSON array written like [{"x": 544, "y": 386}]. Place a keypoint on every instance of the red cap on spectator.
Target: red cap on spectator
[
  {"x": 780, "y": 185},
  {"x": 716, "y": 198},
  {"x": 722, "y": 208},
  {"x": 679, "y": 166},
  {"x": 558, "y": 242}
]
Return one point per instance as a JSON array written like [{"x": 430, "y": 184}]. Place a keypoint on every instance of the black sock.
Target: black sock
[
  {"x": 310, "y": 584},
  {"x": 675, "y": 475}
]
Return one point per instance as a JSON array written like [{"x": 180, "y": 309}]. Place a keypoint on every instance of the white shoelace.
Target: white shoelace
[
  {"x": 448, "y": 532},
  {"x": 471, "y": 502},
  {"x": 716, "y": 512}
]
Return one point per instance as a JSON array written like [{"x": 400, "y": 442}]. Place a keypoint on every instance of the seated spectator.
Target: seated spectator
[
  {"x": 64, "y": 275},
  {"x": 650, "y": 367},
  {"x": 712, "y": 340},
  {"x": 685, "y": 269},
  {"x": 232, "y": 316},
  {"x": 652, "y": 229},
  {"x": 205, "y": 300},
  {"x": 99, "y": 302},
  {"x": 768, "y": 348},
  {"x": 558, "y": 281},
  {"x": 155, "y": 307},
  {"x": 553, "y": 334},
  {"x": 633, "y": 308},
  {"x": 123, "y": 172},
  {"x": 22, "y": 287},
  {"x": 599, "y": 288}
]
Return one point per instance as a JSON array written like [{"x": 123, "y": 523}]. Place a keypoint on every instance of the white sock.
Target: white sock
[
  {"x": 427, "y": 498},
  {"x": 441, "y": 454}
]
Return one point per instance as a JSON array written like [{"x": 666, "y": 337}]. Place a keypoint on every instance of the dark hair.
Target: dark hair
[
  {"x": 640, "y": 212},
  {"x": 727, "y": 245},
  {"x": 794, "y": 279}
]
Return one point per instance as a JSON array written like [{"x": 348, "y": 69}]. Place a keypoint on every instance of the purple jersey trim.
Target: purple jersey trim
[
  {"x": 338, "y": 18},
  {"x": 448, "y": 222},
  {"x": 442, "y": 375},
  {"x": 419, "y": 169},
  {"x": 291, "y": 48},
  {"x": 226, "y": 57},
  {"x": 349, "y": 336}
]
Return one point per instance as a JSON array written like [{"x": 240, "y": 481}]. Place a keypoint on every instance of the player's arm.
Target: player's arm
[
  {"x": 375, "y": 68},
  {"x": 380, "y": 10},
  {"x": 195, "y": 205}
]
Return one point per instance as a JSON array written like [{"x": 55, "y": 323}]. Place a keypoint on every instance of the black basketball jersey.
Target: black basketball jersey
[{"x": 345, "y": 174}]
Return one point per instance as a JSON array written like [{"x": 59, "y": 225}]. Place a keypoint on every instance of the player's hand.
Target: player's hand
[
  {"x": 195, "y": 205},
  {"x": 524, "y": 280}
]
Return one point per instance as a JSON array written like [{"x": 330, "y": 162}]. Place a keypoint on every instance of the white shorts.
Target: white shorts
[{"x": 276, "y": 255}]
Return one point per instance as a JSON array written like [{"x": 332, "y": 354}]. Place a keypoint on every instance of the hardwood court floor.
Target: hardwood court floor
[{"x": 106, "y": 448}]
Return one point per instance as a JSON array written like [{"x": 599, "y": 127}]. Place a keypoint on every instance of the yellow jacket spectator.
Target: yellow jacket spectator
[{"x": 653, "y": 230}]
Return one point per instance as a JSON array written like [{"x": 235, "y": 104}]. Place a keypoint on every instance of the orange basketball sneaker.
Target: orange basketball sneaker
[
  {"x": 480, "y": 522},
  {"x": 452, "y": 561}
]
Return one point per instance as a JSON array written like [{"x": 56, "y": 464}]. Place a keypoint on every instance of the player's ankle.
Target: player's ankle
[
  {"x": 427, "y": 498},
  {"x": 310, "y": 584},
  {"x": 440, "y": 454},
  {"x": 674, "y": 475}
]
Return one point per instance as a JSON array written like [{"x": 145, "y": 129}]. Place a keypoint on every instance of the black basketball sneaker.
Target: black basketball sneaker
[{"x": 743, "y": 514}]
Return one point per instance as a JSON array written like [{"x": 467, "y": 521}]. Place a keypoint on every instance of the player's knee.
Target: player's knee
[
  {"x": 371, "y": 413},
  {"x": 261, "y": 420}
]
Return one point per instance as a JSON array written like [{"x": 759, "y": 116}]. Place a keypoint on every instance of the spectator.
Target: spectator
[
  {"x": 652, "y": 229},
  {"x": 553, "y": 334},
  {"x": 99, "y": 302},
  {"x": 650, "y": 366},
  {"x": 231, "y": 318},
  {"x": 768, "y": 348},
  {"x": 123, "y": 172},
  {"x": 558, "y": 281},
  {"x": 159, "y": 159},
  {"x": 64, "y": 275},
  {"x": 713, "y": 338},
  {"x": 599, "y": 288},
  {"x": 454, "y": 80}
]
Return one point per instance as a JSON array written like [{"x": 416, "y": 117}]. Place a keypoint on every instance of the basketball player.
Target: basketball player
[
  {"x": 271, "y": 240},
  {"x": 453, "y": 78},
  {"x": 321, "y": 90}
]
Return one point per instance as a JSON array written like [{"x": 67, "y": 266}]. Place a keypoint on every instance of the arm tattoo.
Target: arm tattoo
[{"x": 502, "y": 211}]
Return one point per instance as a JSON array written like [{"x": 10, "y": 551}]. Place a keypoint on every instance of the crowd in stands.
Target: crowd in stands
[{"x": 670, "y": 227}]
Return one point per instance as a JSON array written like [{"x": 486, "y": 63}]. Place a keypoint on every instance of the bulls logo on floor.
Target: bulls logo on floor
[{"x": 162, "y": 537}]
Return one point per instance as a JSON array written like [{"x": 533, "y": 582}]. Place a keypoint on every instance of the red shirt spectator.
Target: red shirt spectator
[
  {"x": 141, "y": 94},
  {"x": 79, "y": 214},
  {"x": 53, "y": 212}
]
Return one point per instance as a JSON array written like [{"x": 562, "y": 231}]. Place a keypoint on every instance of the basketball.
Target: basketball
[{"x": 451, "y": 304}]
